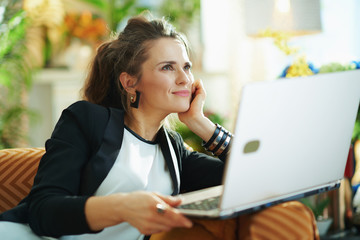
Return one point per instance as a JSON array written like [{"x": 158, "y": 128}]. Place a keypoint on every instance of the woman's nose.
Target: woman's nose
[{"x": 184, "y": 78}]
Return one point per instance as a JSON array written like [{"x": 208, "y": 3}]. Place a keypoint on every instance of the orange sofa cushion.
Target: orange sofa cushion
[{"x": 18, "y": 167}]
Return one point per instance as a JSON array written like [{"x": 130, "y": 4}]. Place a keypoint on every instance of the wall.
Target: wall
[
  {"x": 230, "y": 59},
  {"x": 53, "y": 90},
  {"x": 236, "y": 59}
]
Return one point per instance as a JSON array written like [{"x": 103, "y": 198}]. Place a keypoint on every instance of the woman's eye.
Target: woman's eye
[
  {"x": 167, "y": 67},
  {"x": 187, "y": 67}
]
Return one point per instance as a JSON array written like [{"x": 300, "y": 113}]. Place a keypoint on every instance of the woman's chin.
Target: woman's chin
[{"x": 182, "y": 109}]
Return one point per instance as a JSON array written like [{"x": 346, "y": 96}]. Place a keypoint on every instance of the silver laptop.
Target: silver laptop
[{"x": 292, "y": 138}]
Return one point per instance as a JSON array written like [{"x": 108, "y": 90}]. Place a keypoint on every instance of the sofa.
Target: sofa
[
  {"x": 291, "y": 220},
  {"x": 18, "y": 167}
]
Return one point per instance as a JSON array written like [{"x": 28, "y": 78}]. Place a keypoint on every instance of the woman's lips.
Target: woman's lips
[{"x": 183, "y": 93}]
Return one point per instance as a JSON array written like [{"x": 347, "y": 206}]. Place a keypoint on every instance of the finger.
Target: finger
[
  {"x": 177, "y": 216},
  {"x": 156, "y": 222},
  {"x": 171, "y": 217},
  {"x": 199, "y": 95},
  {"x": 170, "y": 200},
  {"x": 199, "y": 87},
  {"x": 164, "y": 214},
  {"x": 153, "y": 228}
]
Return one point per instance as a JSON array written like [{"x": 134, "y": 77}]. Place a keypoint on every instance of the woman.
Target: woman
[
  {"x": 109, "y": 155},
  {"x": 111, "y": 166}
]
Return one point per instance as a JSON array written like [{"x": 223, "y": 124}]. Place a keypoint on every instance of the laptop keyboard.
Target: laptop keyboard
[{"x": 206, "y": 204}]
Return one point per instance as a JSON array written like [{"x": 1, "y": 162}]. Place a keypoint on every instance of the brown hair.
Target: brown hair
[{"x": 127, "y": 53}]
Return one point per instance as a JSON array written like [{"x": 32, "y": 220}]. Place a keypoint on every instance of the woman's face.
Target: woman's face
[{"x": 166, "y": 82}]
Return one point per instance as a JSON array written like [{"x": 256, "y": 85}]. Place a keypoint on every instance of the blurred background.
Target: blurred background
[{"x": 46, "y": 46}]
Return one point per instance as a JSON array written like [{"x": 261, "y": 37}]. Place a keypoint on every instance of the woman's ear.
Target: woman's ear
[{"x": 128, "y": 82}]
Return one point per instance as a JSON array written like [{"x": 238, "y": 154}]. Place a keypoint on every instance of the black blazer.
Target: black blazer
[{"x": 81, "y": 151}]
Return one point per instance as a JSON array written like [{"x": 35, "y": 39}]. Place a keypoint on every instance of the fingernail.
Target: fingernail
[
  {"x": 176, "y": 198},
  {"x": 189, "y": 224}
]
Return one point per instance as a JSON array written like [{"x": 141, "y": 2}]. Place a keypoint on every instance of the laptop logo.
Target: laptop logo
[{"x": 252, "y": 146}]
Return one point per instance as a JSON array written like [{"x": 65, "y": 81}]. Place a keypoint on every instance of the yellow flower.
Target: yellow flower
[{"x": 299, "y": 68}]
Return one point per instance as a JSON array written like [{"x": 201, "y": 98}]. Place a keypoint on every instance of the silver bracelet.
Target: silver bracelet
[
  {"x": 217, "y": 140},
  {"x": 224, "y": 145}
]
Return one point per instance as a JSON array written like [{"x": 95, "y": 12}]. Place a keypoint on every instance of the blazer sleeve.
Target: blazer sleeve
[
  {"x": 55, "y": 207},
  {"x": 197, "y": 170}
]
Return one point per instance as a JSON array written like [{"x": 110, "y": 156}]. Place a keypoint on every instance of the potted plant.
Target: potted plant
[
  {"x": 15, "y": 75},
  {"x": 356, "y": 136},
  {"x": 318, "y": 205}
]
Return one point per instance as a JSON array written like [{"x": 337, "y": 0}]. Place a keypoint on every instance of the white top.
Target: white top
[{"x": 140, "y": 165}]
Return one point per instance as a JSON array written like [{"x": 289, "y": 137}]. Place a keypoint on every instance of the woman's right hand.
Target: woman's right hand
[
  {"x": 139, "y": 209},
  {"x": 136, "y": 208}
]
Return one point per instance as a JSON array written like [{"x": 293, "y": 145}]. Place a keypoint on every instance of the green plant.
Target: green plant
[
  {"x": 15, "y": 74},
  {"x": 356, "y": 132},
  {"x": 12, "y": 33},
  {"x": 317, "y": 204},
  {"x": 116, "y": 10},
  {"x": 191, "y": 138},
  {"x": 180, "y": 13},
  {"x": 336, "y": 67}
]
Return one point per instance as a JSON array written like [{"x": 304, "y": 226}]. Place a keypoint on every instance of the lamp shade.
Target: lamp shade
[{"x": 296, "y": 17}]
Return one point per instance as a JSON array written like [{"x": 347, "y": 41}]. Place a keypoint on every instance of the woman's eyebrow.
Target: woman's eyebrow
[
  {"x": 167, "y": 62},
  {"x": 173, "y": 62}
]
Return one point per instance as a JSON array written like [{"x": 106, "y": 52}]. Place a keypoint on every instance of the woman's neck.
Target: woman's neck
[{"x": 144, "y": 125}]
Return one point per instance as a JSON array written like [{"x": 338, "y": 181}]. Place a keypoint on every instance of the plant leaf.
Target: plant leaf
[
  {"x": 5, "y": 77},
  {"x": 101, "y": 4}
]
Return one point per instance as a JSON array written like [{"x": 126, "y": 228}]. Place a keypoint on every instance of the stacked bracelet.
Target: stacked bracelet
[
  {"x": 219, "y": 141},
  {"x": 216, "y": 132}
]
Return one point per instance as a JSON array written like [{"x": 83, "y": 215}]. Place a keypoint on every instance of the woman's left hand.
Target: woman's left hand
[
  {"x": 195, "y": 110},
  {"x": 194, "y": 117}
]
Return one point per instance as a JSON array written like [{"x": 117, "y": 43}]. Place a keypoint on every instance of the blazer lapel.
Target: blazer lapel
[
  {"x": 101, "y": 163},
  {"x": 170, "y": 159}
]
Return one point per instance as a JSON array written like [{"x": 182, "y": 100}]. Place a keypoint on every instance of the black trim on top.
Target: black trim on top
[{"x": 141, "y": 138}]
